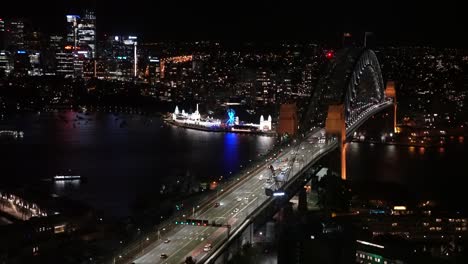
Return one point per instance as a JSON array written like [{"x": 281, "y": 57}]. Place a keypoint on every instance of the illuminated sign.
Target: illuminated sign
[
  {"x": 132, "y": 37},
  {"x": 21, "y": 52},
  {"x": 68, "y": 47},
  {"x": 278, "y": 194},
  {"x": 399, "y": 208}
]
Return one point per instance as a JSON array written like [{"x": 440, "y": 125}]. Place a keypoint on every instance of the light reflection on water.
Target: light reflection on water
[
  {"x": 121, "y": 155},
  {"x": 408, "y": 171},
  {"x": 64, "y": 187}
]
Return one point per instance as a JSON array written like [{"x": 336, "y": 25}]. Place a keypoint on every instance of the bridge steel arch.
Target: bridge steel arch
[
  {"x": 351, "y": 86},
  {"x": 353, "y": 79}
]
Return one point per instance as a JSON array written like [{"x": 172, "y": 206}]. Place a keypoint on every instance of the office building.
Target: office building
[
  {"x": 15, "y": 35},
  {"x": 86, "y": 34},
  {"x": 2, "y": 34}
]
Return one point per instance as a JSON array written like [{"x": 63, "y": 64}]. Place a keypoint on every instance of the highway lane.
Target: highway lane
[
  {"x": 226, "y": 213},
  {"x": 235, "y": 206}
]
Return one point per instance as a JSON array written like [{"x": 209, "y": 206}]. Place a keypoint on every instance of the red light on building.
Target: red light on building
[{"x": 329, "y": 54}]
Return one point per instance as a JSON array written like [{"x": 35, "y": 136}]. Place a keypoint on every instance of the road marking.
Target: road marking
[{"x": 245, "y": 207}]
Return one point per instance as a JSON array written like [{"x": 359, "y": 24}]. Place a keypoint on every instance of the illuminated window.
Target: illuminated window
[
  {"x": 425, "y": 224},
  {"x": 59, "y": 229},
  {"x": 394, "y": 224},
  {"x": 438, "y": 220}
]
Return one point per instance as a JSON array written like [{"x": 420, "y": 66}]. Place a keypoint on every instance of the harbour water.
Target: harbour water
[{"x": 123, "y": 156}]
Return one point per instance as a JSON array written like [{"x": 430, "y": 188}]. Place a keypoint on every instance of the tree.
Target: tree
[
  {"x": 189, "y": 260},
  {"x": 333, "y": 194}
]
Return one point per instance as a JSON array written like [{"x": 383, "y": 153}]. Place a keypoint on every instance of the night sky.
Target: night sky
[{"x": 393, "y": 22}]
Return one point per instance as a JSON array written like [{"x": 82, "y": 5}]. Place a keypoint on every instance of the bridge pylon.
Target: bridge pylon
[
  {"x": 335, "y": 126},
  {"x": 288, "y": 119},
  {"x": 390, "y": 92}
]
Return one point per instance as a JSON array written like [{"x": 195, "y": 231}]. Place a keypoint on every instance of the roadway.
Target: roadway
[{"x": 235, "y": 206}]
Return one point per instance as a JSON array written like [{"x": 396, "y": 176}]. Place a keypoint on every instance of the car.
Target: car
[
  {"x": 167, "y": 240},
  {"x": 207, "y": 247},
  {"x": 163, "y": 256},
  {"x": 239, "y": 199},
  {"x": 216, "y": 204},
  {"x": 236, "y": 210}
]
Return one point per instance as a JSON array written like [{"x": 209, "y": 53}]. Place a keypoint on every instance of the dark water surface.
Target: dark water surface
[
  {"x": 416, "y": 173},
  {"x": 122, "y": 156}
]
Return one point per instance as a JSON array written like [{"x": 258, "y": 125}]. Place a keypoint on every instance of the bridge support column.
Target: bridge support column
[
  {"x": 390, "y": 92},
  {"x": 335, "y": 126},
  {"x": 302, "y": 203}
]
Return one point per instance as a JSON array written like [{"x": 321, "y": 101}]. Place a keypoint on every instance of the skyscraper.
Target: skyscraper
[
  {"x": 153, "y": 69},
  {"x": 81, "y": 37},
  {"x": 2, "y": 34},
  {"x": 15, "y": 36},
  {"x": 86, "y": 34},
  {"x": 63, "y": 55},
  {"x": 72, "y": 30},
  {"x": 123, "y": 54}
]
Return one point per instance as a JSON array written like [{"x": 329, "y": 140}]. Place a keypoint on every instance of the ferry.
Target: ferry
[
  {"x": 69, "y": 177},
  {"x": 66, "y": 178}
]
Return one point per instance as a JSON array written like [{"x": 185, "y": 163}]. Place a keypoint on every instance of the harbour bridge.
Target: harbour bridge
[{"x": 350, "y": 92}]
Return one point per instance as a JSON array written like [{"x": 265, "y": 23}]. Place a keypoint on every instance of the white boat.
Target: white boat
[{"x": 67, "y": 178}]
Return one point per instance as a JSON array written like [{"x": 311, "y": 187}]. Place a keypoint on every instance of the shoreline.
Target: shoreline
[{"x": 403, "y": 144}]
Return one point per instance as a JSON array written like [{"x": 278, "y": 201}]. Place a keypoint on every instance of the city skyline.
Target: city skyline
[
  {"x": 392, "y": 23},
  {"x": 233, "y": 132}
]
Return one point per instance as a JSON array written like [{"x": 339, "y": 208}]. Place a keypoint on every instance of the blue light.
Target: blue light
[
  {"x": 231, "y": 117},
  {"x": 21, "y": 52},
  {"x": 231, "y": 152},
  {"x": 278, "y": 194}
]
